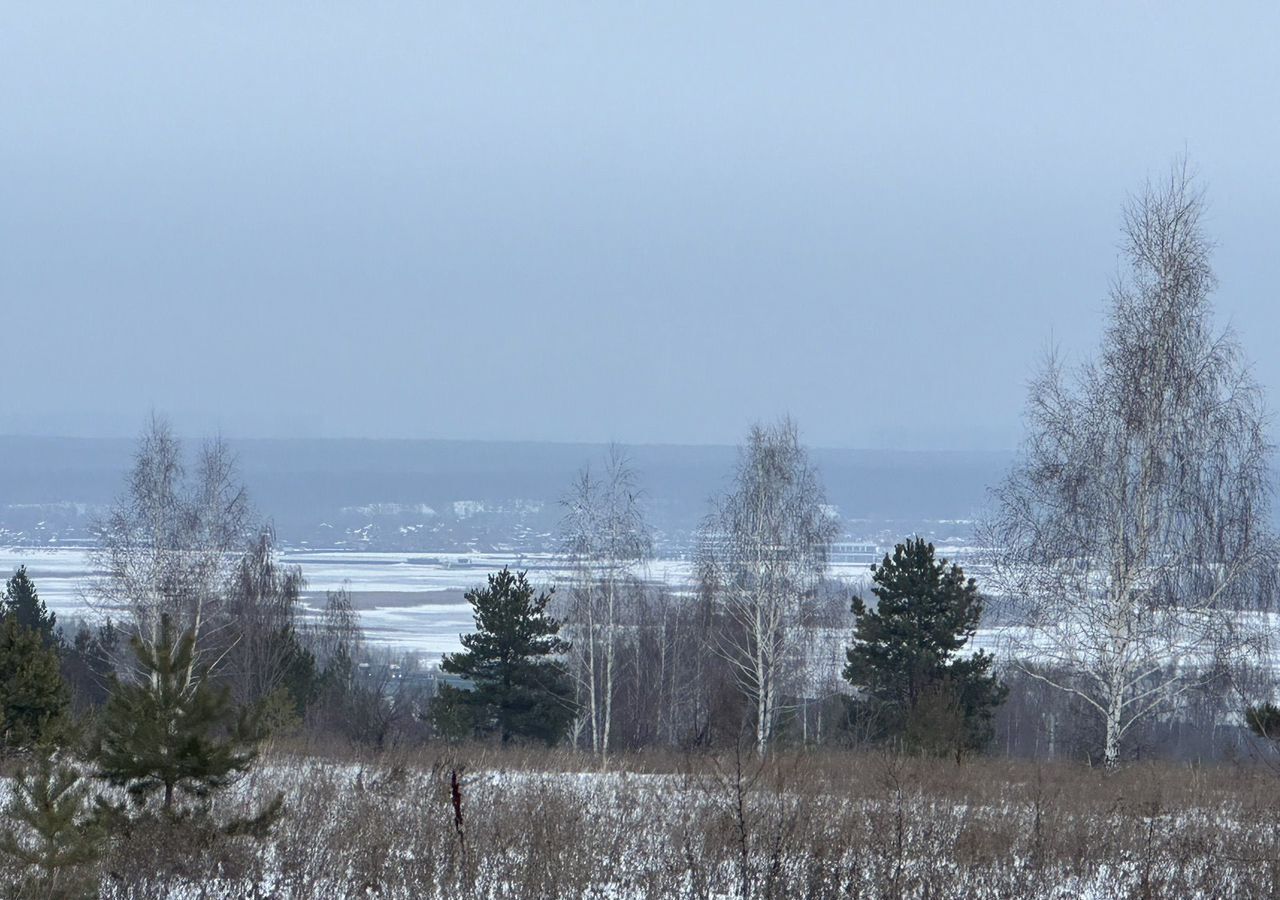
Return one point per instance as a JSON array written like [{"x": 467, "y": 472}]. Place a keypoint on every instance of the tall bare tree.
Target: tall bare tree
[
  {"x": 1133, "y": 530},
  {"x": 605, "y": 537},
  {"x": 262, "y": 612},
  {"x": 335, "y": 637},
  {"x": 764, "y": 549},
  {"x": 169, "y": 543}
]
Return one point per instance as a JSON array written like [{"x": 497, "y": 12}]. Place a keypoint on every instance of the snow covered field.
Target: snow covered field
[{"x": 544, "y": 824}]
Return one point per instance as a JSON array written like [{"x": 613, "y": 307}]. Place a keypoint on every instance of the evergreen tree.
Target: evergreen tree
[
  {"x": 50, "y": 832},
  {"x": 517, "y": 689},
  {"x": 87, "y": 665},
  {"x": 33, "y": 696},
  {"x": 170, "y": 729},
  {"x": 1264, "y": 721},
  {"x": 23, "y": 603},
  {"x": 914, "y": 684},
  {"x": 284, "y": 709}
]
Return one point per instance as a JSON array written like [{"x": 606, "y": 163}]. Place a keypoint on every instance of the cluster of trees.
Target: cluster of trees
[
  {"x": 1130, "y": 547},
  {"x": 202, "y": 652},
  {"x": 166, "y": 732},
  {"x": 653, "y": 666},
  {"x": 185, "y": 545},
  {"x": 625, "y": 662}
]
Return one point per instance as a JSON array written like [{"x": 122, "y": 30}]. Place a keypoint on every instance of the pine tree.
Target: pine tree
[
  {"x": 50, "y": 830},
  {"x": 33, "y": 695},
  {"x": 1264, "y": 721},
  {"x": 87, "y": 664},
  {"x": 914, "y": 684},
  {"x": 171, "y": 730},
  {"x": 517, "y": 689},
  {"x": 23, "y": 603}
]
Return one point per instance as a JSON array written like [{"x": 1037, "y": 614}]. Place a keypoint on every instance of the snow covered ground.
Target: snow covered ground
[{"x": 545, "y": 825}]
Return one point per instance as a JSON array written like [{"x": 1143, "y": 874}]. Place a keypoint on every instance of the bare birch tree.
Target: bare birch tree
[
  {"x": 262, "y": 611},
  {"x": 605, "y": 537},
  {"x": 764, "y": 549},
  {"x": 169, "y": 544},
  {"x": 335, "y": 637},
  {"x": 1132, "y": 533}
]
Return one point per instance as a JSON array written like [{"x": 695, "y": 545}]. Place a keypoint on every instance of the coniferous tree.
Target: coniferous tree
[
  {"x": 87, "y": 665},
  {"x": 1264, "y": 721},
  {"x": 518, "y": 689},
  {"x": 22, "y": 602},
  {"x": 914, "y": 684},
  {"x": 33, "y": 694},
  {"x": 170, "y": 729},
  {"x": 51, "y": 833}
]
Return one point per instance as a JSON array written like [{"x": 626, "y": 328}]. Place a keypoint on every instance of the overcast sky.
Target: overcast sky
[{"x": 594, "y": 221}]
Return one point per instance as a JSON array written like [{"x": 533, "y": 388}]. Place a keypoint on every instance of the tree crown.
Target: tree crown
[
  {"x": 170, "y": 728},
  {"x": 512, "y": 629},
  {"x": 22, "y": 602},
  {"x": 926, "y": 611}
]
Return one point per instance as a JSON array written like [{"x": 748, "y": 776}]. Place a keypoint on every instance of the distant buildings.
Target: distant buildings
[
  {"x": 853, "y": 553},
  {"x": 841, "y": 553}
]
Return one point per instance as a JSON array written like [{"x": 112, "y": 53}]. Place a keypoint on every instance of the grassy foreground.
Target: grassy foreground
[{"x": 550, "y": 824}]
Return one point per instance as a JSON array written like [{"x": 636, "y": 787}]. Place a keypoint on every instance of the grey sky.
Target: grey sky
[{"x": 644, "y": 222}]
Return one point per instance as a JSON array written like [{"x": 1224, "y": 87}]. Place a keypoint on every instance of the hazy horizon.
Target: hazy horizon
[
  {"x": 195, "y": 437},
  {"x": 653, "y": 224}
]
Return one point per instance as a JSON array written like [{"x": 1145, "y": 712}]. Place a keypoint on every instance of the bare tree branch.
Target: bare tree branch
[{"x": 1133, "y": 530}]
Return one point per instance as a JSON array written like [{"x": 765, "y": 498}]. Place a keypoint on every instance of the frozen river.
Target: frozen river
[
  {"x": 409, "y": 601},
  {"x": 406, "y": 601}
]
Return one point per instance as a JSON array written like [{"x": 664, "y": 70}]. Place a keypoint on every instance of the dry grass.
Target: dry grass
[{"x": 543, "y": 823}]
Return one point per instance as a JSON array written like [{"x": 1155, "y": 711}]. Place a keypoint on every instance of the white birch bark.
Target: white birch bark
[
  {"x": 764, "y": 549},
  {"x": 1132, "y": 537},
  {"x": 605, "y": 537}
]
